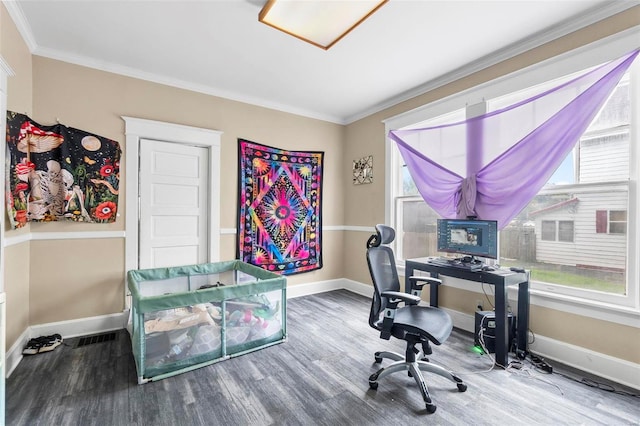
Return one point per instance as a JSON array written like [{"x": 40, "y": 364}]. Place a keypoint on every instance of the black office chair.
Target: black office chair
[{"x": 411, "y": 322}]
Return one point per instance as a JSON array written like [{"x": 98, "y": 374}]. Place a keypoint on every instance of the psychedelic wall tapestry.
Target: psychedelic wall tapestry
[
  {"x": 279, "y": 208},
  {"x": 59, "y": 173}
]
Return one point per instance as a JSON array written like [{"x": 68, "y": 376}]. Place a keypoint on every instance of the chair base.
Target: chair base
[{"x": 414, "y": 368}]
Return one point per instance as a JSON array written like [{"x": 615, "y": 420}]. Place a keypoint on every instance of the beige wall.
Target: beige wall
[
  {"x": 364, "y": 205},
  {"x": 95, "y": 101},
  {"x": 19, "y": 98}
]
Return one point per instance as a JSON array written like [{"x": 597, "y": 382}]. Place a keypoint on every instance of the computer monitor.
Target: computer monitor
[{"x": 468, "y": 237}]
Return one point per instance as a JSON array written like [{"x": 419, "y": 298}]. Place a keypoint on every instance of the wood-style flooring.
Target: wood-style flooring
[{"x": 318, "y": 377}]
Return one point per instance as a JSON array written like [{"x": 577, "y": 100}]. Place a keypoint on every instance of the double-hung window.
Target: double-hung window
[{"x": 579, "y": 235}]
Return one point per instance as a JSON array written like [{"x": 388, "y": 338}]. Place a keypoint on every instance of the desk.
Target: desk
[{"x": 500, "y": 279}]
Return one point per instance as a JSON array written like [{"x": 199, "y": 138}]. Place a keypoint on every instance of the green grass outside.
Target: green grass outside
[
  {"x": 575, "y": 280},
  {"x": 588, "y": 280}
]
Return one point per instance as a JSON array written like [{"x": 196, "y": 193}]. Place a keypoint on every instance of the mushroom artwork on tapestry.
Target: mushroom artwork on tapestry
[{"x": 58, "y": 173}]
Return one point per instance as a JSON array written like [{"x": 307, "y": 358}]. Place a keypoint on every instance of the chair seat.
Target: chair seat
[{"x": 432, "y": 323}]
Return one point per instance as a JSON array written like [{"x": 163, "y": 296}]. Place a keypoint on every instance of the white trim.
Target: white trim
[
  {"x": 367, "y": 229},
  {"x": 307, "y": 289},
  {"x": 619, "y": 370},
  {"x": 17, "y": 239},
  {"x": 136, "y": 129},
  {"x": 233, "y": 231},
  {"x": 5, "y": 71},
  {"x": 82, "y": 326},
  {"x": 43, "y": 236},
  {"x": 36, "y": 236},
  {"x": 14, "y": 354},
  {"x": 561, "y": 29},
  {"x": 86, "y": 61}
]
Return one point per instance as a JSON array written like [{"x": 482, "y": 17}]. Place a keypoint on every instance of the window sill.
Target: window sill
[{"x": 560, "y": 302}]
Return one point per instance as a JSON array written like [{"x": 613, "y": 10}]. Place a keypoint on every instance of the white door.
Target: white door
[{"x": 173, "y": 204}]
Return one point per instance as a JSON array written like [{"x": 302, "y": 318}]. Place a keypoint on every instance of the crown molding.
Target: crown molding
[
  {"x": 178, "y": 83},
  {"x": 552, "y": 33},
  {"x": 590, "y": 17},
  {"x": 15, "y": 11}
]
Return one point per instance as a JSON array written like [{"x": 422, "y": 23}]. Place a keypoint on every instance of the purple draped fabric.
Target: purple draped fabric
[{"x": 459, "y": 176}]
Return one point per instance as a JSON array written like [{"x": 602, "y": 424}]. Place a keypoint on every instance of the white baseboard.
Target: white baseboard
[
  {"x": 82, "y": 326},
  {"x": 618, "y": 370},
  {"x": 14, "y": 354},
  {"x": 67, "y": 329}
]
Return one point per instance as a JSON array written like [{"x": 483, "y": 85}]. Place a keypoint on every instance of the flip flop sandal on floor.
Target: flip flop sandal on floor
[
  {"x": 33, "y": 347},
  {"x": 49, "y": 343}
]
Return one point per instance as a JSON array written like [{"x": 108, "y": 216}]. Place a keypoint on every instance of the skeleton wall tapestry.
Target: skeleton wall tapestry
[
  {"x": 279, "y": 208},
  {"x": 59, "y": 173}
]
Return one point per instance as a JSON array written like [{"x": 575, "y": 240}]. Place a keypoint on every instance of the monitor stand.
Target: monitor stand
[{"x": 470, "y": 260}]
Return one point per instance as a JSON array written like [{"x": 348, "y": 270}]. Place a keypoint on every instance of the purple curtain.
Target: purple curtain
[{"x": 492, "y": 165}]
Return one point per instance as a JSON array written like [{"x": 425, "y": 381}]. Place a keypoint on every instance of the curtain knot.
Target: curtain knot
[{"x": 466, "y": 198}]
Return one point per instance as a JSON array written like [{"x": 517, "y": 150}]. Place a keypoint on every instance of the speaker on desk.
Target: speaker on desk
[{"x": 486, "y": 324}]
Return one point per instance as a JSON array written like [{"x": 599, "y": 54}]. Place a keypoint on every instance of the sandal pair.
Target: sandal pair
[{"x": 42, "y": 344}]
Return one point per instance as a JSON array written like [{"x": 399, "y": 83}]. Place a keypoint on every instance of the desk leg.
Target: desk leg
[
  {"x": 523, "y": 318},
  {"x": 433, "y": 292},
  {"x": 502, "y": 330}
]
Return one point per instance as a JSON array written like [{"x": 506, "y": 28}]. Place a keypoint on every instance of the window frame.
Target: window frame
[{"x": 617, "y": 308}]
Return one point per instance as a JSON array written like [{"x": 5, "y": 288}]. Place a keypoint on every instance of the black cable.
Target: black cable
[
  {"x": 487, "y": 296},
  {"x": 598, "y": 385}
]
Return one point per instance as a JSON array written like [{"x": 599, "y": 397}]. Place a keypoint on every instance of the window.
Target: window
[
  {"x": 548, "y": 231},
  {"x": 612, "y": 222},
  {"x": 618, "y": 222},
  {"x": 555, "y": 236},
  {"x": 565, "y": 231}
]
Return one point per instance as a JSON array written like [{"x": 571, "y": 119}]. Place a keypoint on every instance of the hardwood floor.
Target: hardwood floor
[{"x": 318, "y": 377}]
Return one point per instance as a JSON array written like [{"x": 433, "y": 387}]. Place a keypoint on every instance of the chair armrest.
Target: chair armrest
[
  {"x": 396, "y": 297},
  {"x": 419, "y": 282}
]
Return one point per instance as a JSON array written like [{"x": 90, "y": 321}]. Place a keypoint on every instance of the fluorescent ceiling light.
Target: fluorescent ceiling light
[{"x": 321, "y": 23}]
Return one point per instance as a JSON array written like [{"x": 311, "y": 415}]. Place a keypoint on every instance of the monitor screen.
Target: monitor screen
[{"x": 468, "y": 237}]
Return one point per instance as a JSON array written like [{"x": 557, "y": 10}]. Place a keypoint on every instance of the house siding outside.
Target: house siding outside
[{"x": 589, "y": 248}]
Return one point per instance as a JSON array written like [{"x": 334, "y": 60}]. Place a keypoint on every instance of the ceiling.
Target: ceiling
[{"x": 218, "y": 47}]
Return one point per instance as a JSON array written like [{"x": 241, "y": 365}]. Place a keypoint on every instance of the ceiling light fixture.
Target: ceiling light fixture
[{"x": 321, "y": 23}]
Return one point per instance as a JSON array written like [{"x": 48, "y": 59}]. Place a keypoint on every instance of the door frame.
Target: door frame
[{"x": 138, "y": 128}]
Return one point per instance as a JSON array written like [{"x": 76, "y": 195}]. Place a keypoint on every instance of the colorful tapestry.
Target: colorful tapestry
[
  {"x": 279, "y": 213},
  {"x": 59, "y": 173}
]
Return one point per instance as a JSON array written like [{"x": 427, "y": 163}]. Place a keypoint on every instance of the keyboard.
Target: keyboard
[{"x": 455, "y": 263}]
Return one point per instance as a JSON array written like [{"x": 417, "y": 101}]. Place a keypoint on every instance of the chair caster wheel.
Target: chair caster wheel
[
  {"x": 431, "y": 408},
  {"x": 461, "y": 387},
  {"x": 373, "y": 385},
  {"x": 378, "y": 360}
]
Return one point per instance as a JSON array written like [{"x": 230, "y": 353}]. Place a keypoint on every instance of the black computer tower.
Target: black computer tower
[{"x": 486, "y": 321}]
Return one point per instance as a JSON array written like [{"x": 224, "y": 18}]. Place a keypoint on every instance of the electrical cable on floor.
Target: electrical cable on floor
[{"x": 598, "y": 385}]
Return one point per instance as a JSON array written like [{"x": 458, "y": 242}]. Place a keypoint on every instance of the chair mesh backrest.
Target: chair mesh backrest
[{"x": 382, "y": 266}]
